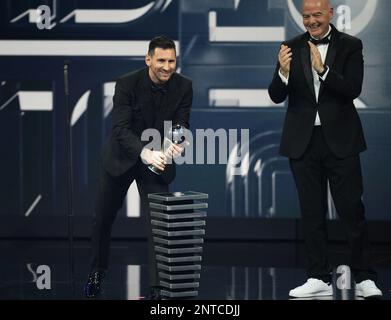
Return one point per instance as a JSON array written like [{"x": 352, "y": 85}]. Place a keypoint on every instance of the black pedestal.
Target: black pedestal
[{"x": 178, "y": 228}]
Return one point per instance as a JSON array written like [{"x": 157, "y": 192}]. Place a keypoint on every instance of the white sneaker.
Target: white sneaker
[
  {"x": 312, "y": 288},
  {"x": 367, "y": 289}
]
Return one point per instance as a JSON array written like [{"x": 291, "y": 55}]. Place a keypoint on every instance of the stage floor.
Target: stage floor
[{"x": 230, "y": 271}]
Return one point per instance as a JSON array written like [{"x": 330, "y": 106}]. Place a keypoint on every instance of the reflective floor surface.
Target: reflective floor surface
[{"x": 230, "y": 270}]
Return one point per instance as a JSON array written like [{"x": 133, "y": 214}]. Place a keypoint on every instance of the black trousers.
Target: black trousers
[
  {"x": 311, "y": 173},
  {"x": 110, "y": 197}
]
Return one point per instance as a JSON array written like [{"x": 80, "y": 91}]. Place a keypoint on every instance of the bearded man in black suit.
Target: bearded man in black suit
[{"x": 143, "y": 99}]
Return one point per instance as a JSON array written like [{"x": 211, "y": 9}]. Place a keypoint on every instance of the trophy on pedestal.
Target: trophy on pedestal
[
  {"x": 178, "y": 222},
  {"x": 176, "y": 135}
]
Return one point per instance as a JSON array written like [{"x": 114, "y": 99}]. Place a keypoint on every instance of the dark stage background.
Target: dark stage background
[{"x": 229, "y": 49}]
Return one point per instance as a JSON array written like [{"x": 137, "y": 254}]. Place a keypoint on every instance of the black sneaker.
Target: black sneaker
[
  {"x": 155, "y": 293},
  {"x": 94, "y": 284}
]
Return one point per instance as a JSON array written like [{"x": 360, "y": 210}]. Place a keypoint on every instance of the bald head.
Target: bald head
[
  {"x": 317, "y": 15},
  {"x": 325, "y": 4}
]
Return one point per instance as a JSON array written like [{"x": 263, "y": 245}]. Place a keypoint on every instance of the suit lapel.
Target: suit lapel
[
  {"x": 331, "y": 53},
  {"x": 306, "y": 62}
]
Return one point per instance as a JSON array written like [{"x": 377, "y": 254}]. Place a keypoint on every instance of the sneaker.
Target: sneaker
[
  {"x": 312, "y": 288},
  {"x": 155, "y": 293},
  {"x": 93, "y": 286},
  {"x": 368, "y": 289}
]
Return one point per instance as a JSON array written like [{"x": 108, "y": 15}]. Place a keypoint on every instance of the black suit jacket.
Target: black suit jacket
[
  {"x": 340, "y": 121},
  {"x": 134, "y": 111}
]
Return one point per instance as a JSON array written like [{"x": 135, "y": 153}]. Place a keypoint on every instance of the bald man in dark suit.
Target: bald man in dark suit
[{"x": 321, "y": 72}]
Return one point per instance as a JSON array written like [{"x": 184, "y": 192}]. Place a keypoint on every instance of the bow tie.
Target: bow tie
[
  {"x": 156, "y": 88},
  {"x": 325, "y": 40}
]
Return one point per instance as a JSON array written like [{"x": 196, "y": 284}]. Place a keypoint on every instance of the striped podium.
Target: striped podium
[{"x": 178, "y": 228}]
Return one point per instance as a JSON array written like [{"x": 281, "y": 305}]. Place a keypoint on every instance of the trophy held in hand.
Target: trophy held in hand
[{"x": 176, "y": 135}]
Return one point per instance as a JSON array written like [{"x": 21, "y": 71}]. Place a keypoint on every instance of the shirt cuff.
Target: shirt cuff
[{"x": 283, "y": 79}]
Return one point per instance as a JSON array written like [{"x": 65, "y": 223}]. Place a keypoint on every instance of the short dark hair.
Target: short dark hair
[{"x": 162, "y": 42}]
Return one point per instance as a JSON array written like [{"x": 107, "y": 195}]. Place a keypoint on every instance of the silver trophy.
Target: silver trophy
[{"x": 176, "y": 135}]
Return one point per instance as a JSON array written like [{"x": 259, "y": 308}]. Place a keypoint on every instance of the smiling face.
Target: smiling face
[
  {"x": 317, "y": 15},
  {"x": 162, "y": 64}
]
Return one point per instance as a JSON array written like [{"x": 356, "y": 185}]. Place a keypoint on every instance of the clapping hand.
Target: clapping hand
[
  {"x": 285, "y": 58},
  {"x": 316, "y": 59}
]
